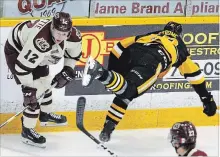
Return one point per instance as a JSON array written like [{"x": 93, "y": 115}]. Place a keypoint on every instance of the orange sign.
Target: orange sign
[{"x": 95, "y": 44}]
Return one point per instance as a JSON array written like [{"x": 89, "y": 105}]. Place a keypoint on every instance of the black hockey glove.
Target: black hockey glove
[
  {"x": 30, "y": 98},
  {"x": 209, "y": 105},
  {"x": 64, "y": 77}
]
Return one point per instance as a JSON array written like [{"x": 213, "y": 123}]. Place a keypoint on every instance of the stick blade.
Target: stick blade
[{"x": 80, "y": 108}]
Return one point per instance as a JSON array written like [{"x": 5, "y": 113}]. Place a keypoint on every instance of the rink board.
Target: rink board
[
  {"x": 134, "y": 119},
  {"x": 175, "y": 101},
  {"x": 9, "y": 22}
]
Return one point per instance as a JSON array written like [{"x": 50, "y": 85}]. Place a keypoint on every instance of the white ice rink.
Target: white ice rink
[{"x": 146, "y": 142}]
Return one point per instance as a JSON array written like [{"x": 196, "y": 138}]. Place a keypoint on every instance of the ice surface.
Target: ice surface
[{"x": 144, "y": 142}]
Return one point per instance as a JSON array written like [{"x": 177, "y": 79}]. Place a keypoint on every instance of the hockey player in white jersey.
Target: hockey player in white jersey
[{"x": 31, "y": 47}]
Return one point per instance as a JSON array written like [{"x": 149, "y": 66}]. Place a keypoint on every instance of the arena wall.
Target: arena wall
[{"x": 171, "y": 99}]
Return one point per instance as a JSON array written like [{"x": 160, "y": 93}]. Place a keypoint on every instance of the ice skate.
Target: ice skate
[
  {"x": 105, "y": 134},
  {"x": 31, "y": 137},
  {"x": 52, "y": 119},
  {"x": 93, "y": 70}
]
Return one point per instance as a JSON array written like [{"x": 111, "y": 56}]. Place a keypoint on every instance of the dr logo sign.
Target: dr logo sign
[{"x": 40, "y": 8}]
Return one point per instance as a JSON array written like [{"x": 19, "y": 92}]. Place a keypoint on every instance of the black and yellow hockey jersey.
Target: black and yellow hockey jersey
[{"x": 172, "y": 45}]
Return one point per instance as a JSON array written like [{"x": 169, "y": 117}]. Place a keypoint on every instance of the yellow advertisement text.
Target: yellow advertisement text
[
  {"x": 176, "y": 85},
  {"x": 198, "y": 51},
  {"x": 200, "y": 38}
]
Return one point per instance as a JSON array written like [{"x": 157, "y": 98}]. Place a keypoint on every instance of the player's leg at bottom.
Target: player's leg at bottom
[
  {"x": 47, "y": 117},
  {"x": 28, "y": 134},
  {"x": 135, "y": 83},
  {"x": 139, "y": 79},
  {"x": 30, "y": 117},
  {"x": 52, "y": 119}
]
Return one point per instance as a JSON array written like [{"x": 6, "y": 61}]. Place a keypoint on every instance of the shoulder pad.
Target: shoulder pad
[
  {"x": 43, "y": 40},
  {"x": 75, "y": 35}
]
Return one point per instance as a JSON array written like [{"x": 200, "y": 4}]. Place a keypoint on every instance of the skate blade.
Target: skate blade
[
  {"x": 86, "y": 77},
  {"x": 29, "y": 142},
  {"x": 52, "y": 124}
]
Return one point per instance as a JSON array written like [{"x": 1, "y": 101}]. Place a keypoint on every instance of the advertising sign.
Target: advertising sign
[
  {"x": 202, "y": 42},
  {"x": 114, "y": 8},
  {"x": 45, "y": 8},
  {"x": 201, "y": 7}
]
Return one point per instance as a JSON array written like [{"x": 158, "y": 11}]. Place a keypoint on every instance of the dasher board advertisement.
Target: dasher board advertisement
[
  {"x": 128, "y": 8},
  {"x": 140, "y": 8},
  {"x": 202, "y": 8},
  {"x": 45, "y": 8},
  {"x": 202, "y": 42}
]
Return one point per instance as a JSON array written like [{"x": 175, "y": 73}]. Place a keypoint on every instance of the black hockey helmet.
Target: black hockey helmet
[
  {"x": 62, "y": 22},
  {"x": 174, "y": 27},
  {"x": 183, "y": 134}
]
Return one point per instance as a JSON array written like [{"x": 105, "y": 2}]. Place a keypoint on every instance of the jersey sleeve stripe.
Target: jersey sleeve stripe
[
  {"x": 198, "y": 78},
  {"x": 193, "y": 74},
  {"x": 22, "y": 66},
  {"x": 120, "y": 46},
  {"x": 67, "y": 55},
  {"x": 117, "y": 51},
  {"x": 19, "y": 47},
  {"x": 18, "y": 33},
  {"x": 21, "y": 72}
]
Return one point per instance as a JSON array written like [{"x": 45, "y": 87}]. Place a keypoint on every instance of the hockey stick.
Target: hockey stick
[
  {"x": 80, "y": 125},
  {"x": 39, "y": 99}
]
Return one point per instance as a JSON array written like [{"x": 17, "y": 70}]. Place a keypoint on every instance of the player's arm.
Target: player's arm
[
  {"x": 194, "y": 76},
  {"x": 72, "y": 54},
  {"x": 121, "y": 46},
  {"x": 73, "y": 51}
]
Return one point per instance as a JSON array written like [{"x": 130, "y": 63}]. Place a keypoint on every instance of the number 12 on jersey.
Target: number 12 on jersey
[{"x": 31, "y": 57}]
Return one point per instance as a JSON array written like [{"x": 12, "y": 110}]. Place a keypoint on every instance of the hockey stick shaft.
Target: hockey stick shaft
[
  {"x": 40, "y": 98},
  {"x": 13, "y": 117},
  {"x": 79, "y": 123}
]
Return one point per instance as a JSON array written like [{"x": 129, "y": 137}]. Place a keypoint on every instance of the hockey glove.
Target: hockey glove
[
  {"x": 30, "y": 98},
  {"x": 64, "y": 77},
  {"x": 209, "y": 105}
]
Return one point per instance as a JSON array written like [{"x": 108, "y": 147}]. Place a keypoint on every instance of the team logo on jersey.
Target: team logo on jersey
[{"x": 42, "y": 44}]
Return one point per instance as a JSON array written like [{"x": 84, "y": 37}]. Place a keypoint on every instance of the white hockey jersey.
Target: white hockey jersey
[{"x": 34, "y": 43}]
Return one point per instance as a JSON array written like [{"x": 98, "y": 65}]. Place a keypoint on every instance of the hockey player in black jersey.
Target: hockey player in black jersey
[
  {"x": 134, "y": 66},
  {"x": 31, "y": 47}
]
